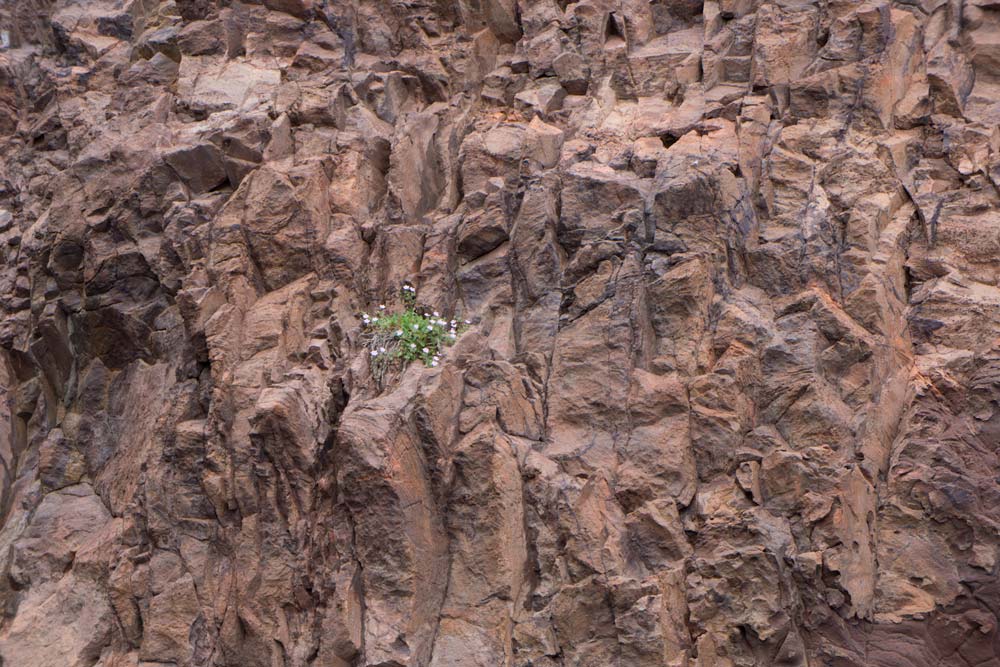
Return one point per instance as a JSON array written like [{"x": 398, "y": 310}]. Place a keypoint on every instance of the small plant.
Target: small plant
[{"x": 406, "y": 336}]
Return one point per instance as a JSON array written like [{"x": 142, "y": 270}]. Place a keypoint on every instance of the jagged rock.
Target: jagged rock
[
  {"x": 573, "y": 73},
  {"x": 727, "y": 395},
  {"x": 543, "y": 100}
]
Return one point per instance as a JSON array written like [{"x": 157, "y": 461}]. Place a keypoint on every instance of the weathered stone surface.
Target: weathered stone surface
[{"x": 730, "y": 391}]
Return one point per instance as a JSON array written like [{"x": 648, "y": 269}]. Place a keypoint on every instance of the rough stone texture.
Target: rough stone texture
[{"x": 731, "y": 395}]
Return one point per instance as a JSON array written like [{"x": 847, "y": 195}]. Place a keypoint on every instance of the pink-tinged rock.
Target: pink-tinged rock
[{"x": 723, "y": 386}]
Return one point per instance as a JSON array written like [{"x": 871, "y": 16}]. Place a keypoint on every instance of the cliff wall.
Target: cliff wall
[{"x": 729, "y": 395}]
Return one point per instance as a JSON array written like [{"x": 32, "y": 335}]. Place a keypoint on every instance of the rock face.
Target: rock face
[{"x": 731, "y": 392}]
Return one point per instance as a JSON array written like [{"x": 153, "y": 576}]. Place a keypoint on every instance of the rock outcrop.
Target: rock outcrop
[{"x": 731, "y": 392}]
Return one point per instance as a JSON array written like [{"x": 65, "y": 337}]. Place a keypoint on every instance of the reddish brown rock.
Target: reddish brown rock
[{"x": 729, "y": 395}]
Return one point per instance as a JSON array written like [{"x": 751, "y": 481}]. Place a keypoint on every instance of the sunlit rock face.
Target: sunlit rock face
[{"x": 729, "y": 395}]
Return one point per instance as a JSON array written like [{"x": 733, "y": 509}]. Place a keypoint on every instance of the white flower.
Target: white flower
[
  {"x": 430, "y": 328},
  {"x": 374, "y": 319},
  {"x": 413, "y": 346},
  {"x": 381, "y": 306},
  {"x": 453, "y": 323},
  {"x": 416, "y": 327},
  {"x": 437, "y": 314},
  {"x": 381, "y": 349},
  {"x": 374, "y": 353},
  {"x": 468, "y": 322},
  {"x": 425, "y": 350},
  {"x": 399, "y": 332},
  {"x": 434, "y": 363}
]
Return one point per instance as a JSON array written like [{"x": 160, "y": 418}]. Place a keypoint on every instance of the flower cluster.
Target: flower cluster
[{"x": 409, "y": 335}]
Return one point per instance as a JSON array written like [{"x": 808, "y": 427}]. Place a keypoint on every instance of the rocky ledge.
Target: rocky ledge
[{"x": 730, "y": 394}]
